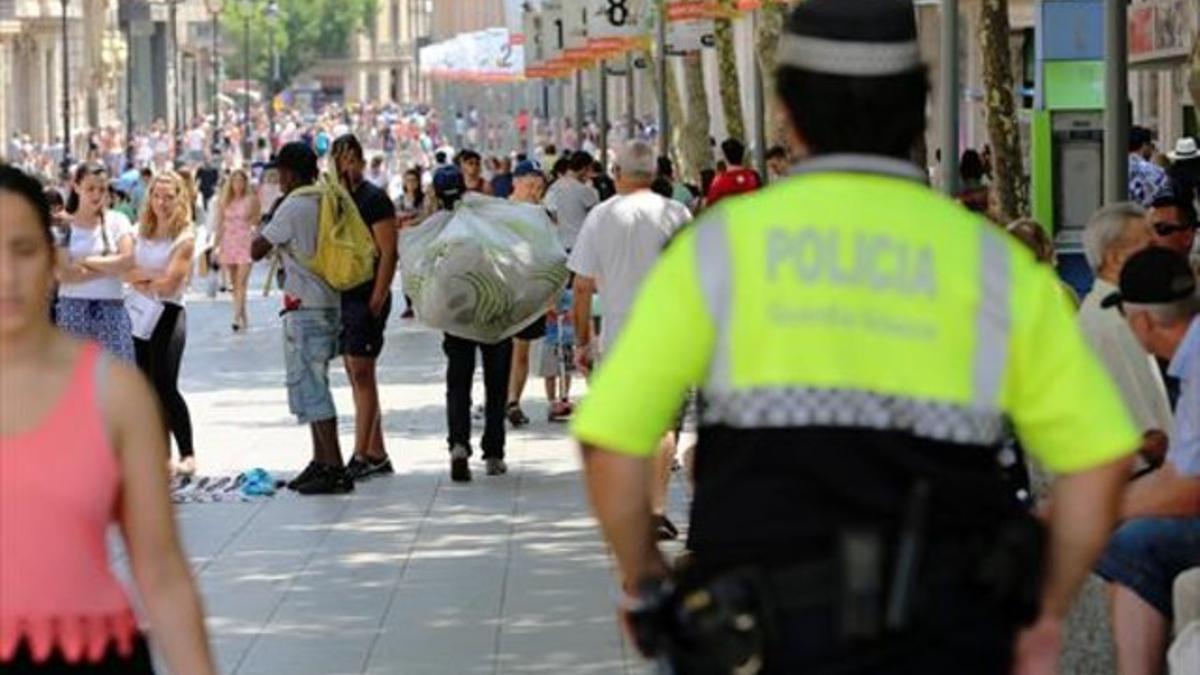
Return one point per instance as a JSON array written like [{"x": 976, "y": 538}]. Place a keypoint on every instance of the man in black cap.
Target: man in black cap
[
  {"x": 449, "y": 188},
  {"x": 365, "y": 310},
  {"x": 1159, "y": 537},
  {"x": 311, "y": 319},
  {"x": 863, "y": 346}
]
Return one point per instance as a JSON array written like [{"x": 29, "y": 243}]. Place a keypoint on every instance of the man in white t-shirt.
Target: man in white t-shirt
[
  {"x": 618, "y": 245},
  {"x": 1113, "y": 234},
  {"x": 570, "y": 199}
]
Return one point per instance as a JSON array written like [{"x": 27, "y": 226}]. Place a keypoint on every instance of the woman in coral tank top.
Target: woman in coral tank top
[{"x": 78, "y": 454}]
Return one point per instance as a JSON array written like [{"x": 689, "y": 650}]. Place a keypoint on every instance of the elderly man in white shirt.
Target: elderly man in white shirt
[
  {"x": 1112, "y": 235},
  {"x": 618, "y": 245}
]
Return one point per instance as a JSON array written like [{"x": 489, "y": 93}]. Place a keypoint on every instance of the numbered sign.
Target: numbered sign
[
  {"x": 615, "y": 26},
  {"x": 690, "y": 36},
  {"x": 554, "y": 37},
  {"x": 575, "y": 32}
]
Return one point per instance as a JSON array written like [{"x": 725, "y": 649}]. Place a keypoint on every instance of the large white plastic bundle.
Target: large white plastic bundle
[{"x": 485, "y": 270}]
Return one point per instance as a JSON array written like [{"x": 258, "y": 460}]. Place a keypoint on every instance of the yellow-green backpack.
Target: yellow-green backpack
[{"x": 346, "y": 252}]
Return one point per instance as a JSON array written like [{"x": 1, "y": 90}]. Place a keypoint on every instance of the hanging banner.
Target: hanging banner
[
  {"x": 514, "y": 14},
  {"x": 751, "y": 5},
  {"x": 575, "y": 33},
  {"x": 541, "y": 44},
  {"x": 616, "y": 26},
  {"x": 691, "y": 10},
  {"x": 553, "y": 33},
  {"x": 693, "y": 35},
  {"x": 482, "y": 56}
]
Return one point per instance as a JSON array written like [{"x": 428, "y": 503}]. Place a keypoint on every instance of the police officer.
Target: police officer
[{"x": 861, "y": 344}]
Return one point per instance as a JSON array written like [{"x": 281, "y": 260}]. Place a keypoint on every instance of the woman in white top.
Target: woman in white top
[
  {"x": 96, "y": 249},
  {"x": 163, "y": 255}
]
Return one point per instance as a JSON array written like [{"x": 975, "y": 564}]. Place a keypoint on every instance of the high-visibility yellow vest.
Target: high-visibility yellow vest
[{"x": 851, "y": 331}]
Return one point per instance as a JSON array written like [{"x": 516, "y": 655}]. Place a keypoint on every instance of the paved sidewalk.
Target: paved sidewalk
[{"x": 410, "y": 574}]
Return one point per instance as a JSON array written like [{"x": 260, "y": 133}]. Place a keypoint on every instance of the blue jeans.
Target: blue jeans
[
  {"x": 1146, "y": 554},
  {"x": 310, "y": 342}
]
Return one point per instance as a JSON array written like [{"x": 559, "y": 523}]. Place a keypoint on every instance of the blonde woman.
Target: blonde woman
[
  {"x": 1031, "y": 233},
  {"x": 238, "y": 213},
  {"x": 163, "y": 263}
]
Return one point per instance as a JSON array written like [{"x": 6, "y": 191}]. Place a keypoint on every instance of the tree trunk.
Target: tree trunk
[
  {"x": 770, "y": 27},
  {"x": 674, "y": 104},
  {"x": 1194, "y": 78},
  {"x": 731, "y": 89},
  {"x": 675, "y": 112},
  {"x": 1008, "y": 187},
  {"x": 694, "y": 143}
]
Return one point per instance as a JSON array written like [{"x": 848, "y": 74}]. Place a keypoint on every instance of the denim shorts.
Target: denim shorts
[
  {"x": 1146, "y": 554},
  {"x": 310, "y": 342}
]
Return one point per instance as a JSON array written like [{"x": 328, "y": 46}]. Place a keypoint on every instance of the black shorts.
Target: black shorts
[
  {"x": 534, "y": 331},
  {"x": 362, "y": 333}
]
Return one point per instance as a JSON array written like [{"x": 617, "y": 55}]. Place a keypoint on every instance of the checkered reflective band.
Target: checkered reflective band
[{"x": 784, "y": 408}]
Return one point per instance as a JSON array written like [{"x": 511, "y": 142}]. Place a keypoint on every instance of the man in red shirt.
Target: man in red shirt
[{"x": 737, "y": 179}]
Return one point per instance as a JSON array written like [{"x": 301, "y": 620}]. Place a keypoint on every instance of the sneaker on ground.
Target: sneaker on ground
[
  {"x": 460, "y": 466},
  {"x": 361, "y": 469},
  {"x": 327, "y": 480},
  {"x": 306, "y": 475},
  {"x": 496, "y": 467}
]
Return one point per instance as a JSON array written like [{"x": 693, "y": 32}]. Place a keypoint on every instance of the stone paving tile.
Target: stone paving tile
[{"x": 410, "y": 573}]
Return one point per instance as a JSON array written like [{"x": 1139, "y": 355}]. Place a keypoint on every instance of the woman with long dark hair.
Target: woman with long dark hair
[
  {"x": 96, "y": 249},
  {"x": 79, "y": 456},
  {"x": 163, "y": 255},
  {"x": 412, "y": 206}
]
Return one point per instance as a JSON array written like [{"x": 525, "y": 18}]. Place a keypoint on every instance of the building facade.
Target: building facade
[
  {"x": 32, "y": 95},
  {"x": 171, "y": 60},
  {"x": 383, "y": 62},
  {"x": 1161, "y": 35}
]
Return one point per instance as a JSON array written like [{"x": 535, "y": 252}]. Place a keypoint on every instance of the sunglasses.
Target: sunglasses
[{"x": 1167, "y": 229}]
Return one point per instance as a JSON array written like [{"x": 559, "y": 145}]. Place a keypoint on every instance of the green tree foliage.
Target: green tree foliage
[{"x": 305, "y": 31}]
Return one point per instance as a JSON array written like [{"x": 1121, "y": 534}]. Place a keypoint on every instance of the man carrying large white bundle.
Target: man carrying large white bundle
[{"x": 480, "y": 271}]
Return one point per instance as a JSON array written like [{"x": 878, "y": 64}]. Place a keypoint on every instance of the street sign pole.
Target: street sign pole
[
  {"x": 66, "y": 91},
  {"x": 603, "y": 114},
  {"x": 664, "y": 121},
  {"x": 1116, "y": 103},
  {"x": 177, "y": 118},
  {"x": 630, "y": 98},
  {"x": 949, "y": 97},
  {"x": 129, "y": 51},
  {"x": 579, "y": 109},
  {"x": 760, "y": 110}
]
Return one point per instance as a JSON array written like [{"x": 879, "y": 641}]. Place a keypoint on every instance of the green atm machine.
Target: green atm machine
[{"x": 1067, "y": 127}]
